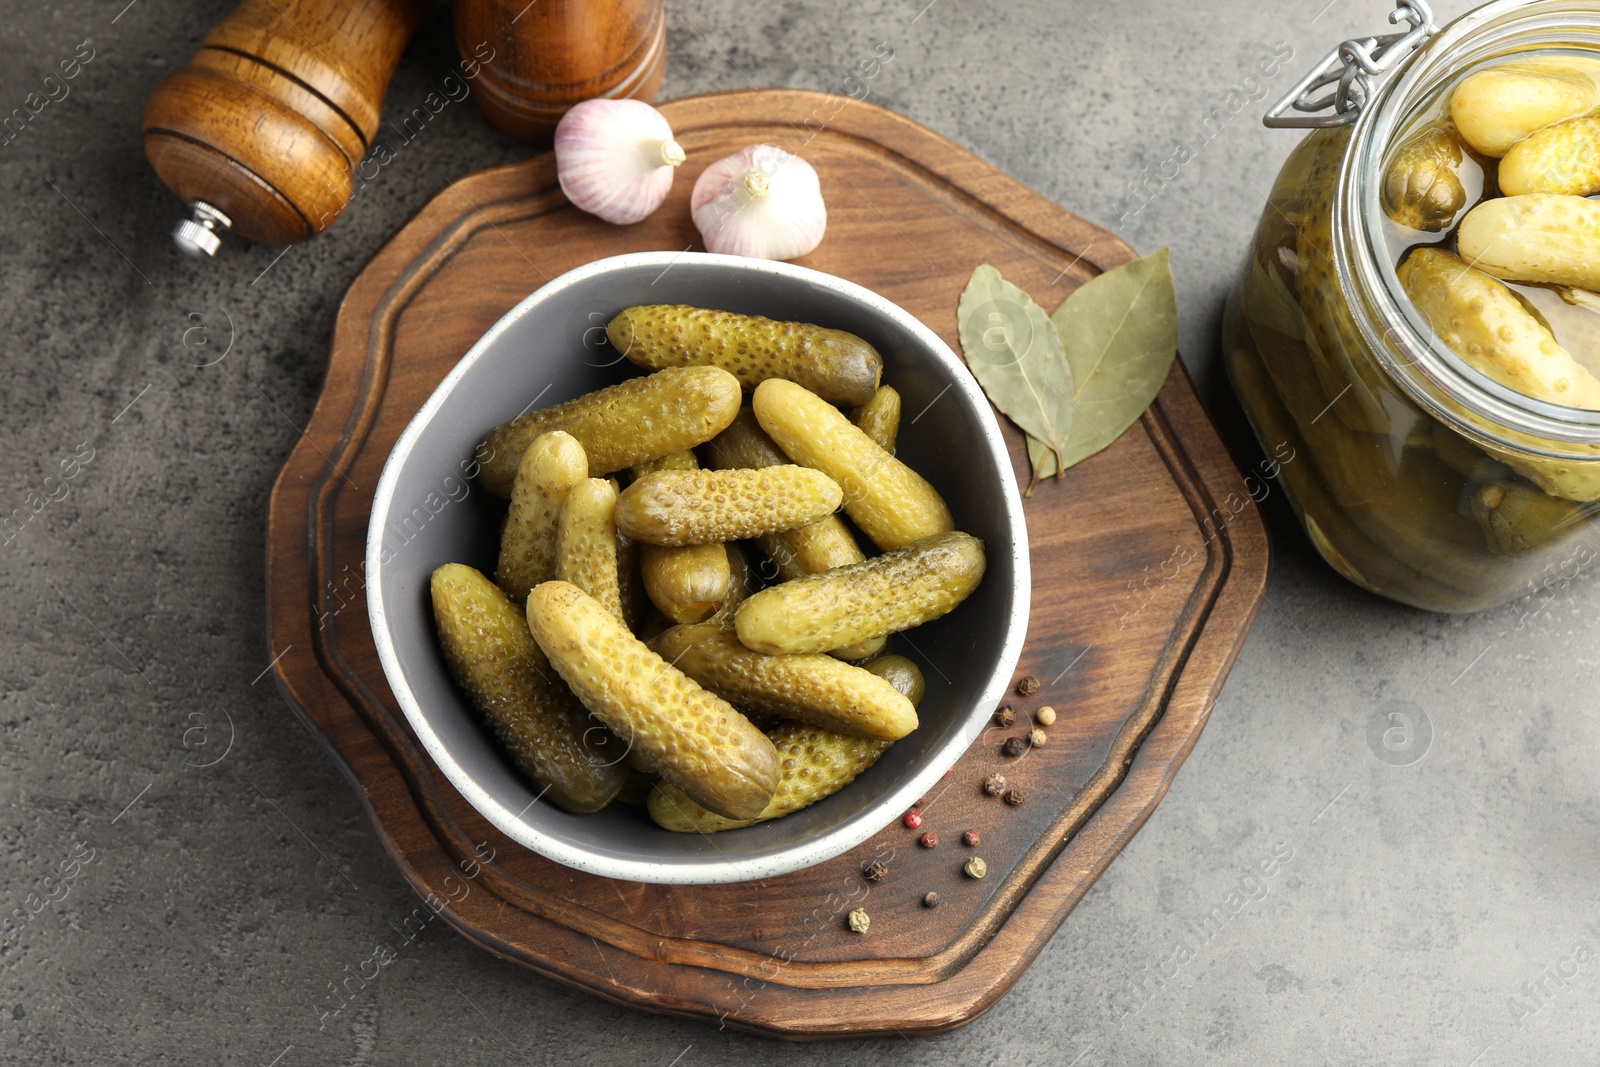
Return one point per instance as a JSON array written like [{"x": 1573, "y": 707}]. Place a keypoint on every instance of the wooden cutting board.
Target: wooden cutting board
[{"x": 1149, "y": 562}]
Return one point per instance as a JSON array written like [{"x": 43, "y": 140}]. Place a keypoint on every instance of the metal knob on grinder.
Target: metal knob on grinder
[{"x": 260, "y": 133}]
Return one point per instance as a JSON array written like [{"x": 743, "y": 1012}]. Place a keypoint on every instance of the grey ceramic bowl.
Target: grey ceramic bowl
[{"x": 551, "y": 347}]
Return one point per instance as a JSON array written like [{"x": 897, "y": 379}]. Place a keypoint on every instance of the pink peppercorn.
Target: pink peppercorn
[
  {"x": 912, "y": 819},
  {"x": 970, "y": 838},
  {"x": 929, "y": 840}
]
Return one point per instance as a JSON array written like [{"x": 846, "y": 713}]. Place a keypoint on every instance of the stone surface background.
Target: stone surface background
[{"x": 1442, "y": 912}]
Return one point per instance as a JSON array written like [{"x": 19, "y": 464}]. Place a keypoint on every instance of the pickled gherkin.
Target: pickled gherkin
[
  {"x": 886, "y": 594},
  {"x": 586, "y": 543},
  {"x": 1421, "y": 188},
  {"x": 1564, "y": 158},
  {"x": 1545, "y": 238},
  {"x": 837, "y": 366},
  {"x": 634, "y": 421},
  {"x": 549, "y": 735},
  {"x": 673, "y": 727},
  {"x": 900, "y": 673},
  {"x": 687, "y": 584},
  {"x": 813, "y": 688},
  {"x": 893, "y": 504},
  {"x": 813, "y": 764},
  {"x": 1499, "y": 106},
  {"x": 701, "y": 507},
  {"x": 1480, "y": 320},
  {"x": 551, "y": 466},
  {"x": 1518, "y": 518},
  {"x": 879, "y": 418}
]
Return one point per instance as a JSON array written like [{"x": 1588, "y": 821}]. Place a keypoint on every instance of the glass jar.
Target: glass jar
[{"x": 1414, "y": 475}]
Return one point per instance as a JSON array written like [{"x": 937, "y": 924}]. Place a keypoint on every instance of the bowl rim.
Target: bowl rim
[{"x": 711, "y": 871}]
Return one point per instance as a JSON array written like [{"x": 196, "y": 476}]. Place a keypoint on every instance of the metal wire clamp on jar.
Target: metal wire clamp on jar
[{"x": 1414, "y": 475}]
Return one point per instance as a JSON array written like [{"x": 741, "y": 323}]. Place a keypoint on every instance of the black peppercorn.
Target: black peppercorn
[
  {"x": 1014, "y": 746},
  {"x": 1005, "y": 716},
  {"x": 1028, "y": 686},
  {"x": 876, "y": 871},
  {"x": 930, "y": 900}
]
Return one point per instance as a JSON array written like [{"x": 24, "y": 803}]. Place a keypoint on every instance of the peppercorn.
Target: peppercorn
[
  {"x": 1014, "y": 797},
  {"x": 912, "y": 819},
  {"x": 1045, "y": 716},
  {"x": 970, "y": 838},
  {"x": 876, "y": 871},
  {"x": 1037, "y": 737},
  {"x": 929, "y": 840},
  {"x": 930, "y": 900},
  {"x": 859, "y": 921},
  {"x": 1005, "y": 716},
  {"x": 922, "y": 802},
  {"x": 1028, "y": 686},
  {"x": 995, "y": 784},
  {"x": 1014, "y": 746},
  {"x": 975, "y": 867}
]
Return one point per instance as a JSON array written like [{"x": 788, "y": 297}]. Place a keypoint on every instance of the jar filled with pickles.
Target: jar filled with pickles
[{"x": 1418, "y": 321}]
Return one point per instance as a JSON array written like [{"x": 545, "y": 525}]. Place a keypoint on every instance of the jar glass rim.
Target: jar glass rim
[{"x": 1433, "y": 376}]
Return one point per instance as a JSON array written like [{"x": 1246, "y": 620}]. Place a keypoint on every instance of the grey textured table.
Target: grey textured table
[{"x": 1439, "y": 909}]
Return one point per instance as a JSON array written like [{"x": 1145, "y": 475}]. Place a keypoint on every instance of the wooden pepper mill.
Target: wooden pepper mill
[
  {"x": 262, "y": 130},
  {"x": 550, "y": 54}
]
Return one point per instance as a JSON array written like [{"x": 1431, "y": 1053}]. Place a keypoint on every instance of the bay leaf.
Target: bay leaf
[
  {"x": 1119, "y": 332},
  {"x": 1016, "y": 355}
]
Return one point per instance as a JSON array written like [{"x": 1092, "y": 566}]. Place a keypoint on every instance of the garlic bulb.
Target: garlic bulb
[
  {"x": 615, "y": 158},
  {"x": 762, "y": 202}
]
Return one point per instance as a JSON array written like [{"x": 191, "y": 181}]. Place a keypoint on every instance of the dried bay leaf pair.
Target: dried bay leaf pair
[{"x": 1076, "y": 379}]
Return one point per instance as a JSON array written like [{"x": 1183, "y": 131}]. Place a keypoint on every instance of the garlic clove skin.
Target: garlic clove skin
[
  {"x": 761, "y": 202},
  {"x": 615, "y": 158}
]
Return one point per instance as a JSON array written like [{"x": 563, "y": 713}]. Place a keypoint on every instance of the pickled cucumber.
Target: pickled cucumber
[
  {"x": 815, "y": 763},
  {"x": 551, "y": 466},
  {"x": 815, "y": 689},
  {"x": 900, "y": 589},
  {"x": 688, "y": 584},
  {"x": 701, "y": 507},
  {"x": 879, "y": 418},
  {"x": 1546, "y": 238},
  {"x": 639, "y": 419},
  {"x": 1480, "y": 320},
  {"x": 835, "y": 365},
  {"x": 586, "y": 543},
  {"x": 901, "y": 673},
  {"x": 893, "y": 504},
  {"x": 678, "y": 461},
  {"x": 492, "y": 656},
  {"x": 693, "y": 739},
  {"x": 1493, "y": 109},
  {"x": 1564, "y": 158},
  {"x": 1517, "y": 518},
  {"x": 1421, "y": 188}
]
